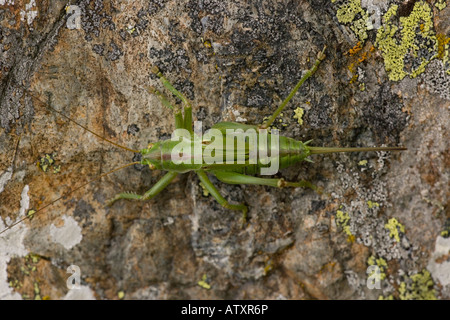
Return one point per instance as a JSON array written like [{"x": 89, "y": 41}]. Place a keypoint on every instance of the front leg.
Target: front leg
[{"x": 157, "y": 188}]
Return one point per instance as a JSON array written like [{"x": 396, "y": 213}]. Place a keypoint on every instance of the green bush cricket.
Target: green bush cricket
[{"x": 159, "y": 155}]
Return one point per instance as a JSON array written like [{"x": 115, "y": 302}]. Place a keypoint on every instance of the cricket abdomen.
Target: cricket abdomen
[{"x": 292, "y": 152}]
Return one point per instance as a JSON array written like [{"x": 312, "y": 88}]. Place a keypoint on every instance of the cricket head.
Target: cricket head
[{"x": 151, "y": 156}]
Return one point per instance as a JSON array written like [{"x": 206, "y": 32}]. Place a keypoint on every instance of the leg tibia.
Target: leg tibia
[
  {"x": 186, "y": 122},
  {"x": 124, "y": 195},
  {"x": 179, "y": 121},
  {"x": 157, "y": 188},
  {"x": 221, "y": 200},
  {"x": 170, "y": 87}
]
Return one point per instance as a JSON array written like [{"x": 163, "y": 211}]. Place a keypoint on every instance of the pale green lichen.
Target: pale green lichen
[
  {"x": 440, "y": 4},
  {"x": 362, "y": 162},
  {"x": 37, "y": 291},
  {"x": 372, "y": 204},
  {"x": 48, "y": 161},
  {"x": 380, "y": 263},
  {"x": 342, "y": 220},
  {"x": 30, "y": 213},
  {"x": 408, "y": 43},
  {"x": 299, "y": 115},
  {"x": 351, "y": 12},
  {"x": 395, "y": 228},
  {"x": 418, "y": 287},
  {"x": 445, "y": 233},
  {"x": 203, "y": 283}
]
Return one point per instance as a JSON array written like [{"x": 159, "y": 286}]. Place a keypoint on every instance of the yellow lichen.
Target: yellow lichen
[
  {"x": 408, "y": 43},
  {"x": 299, "y": 115},
  {"x": 441, "y": 4},
  {"x": 351, "y": 12},
  {"x": 203, "y": 283},
  {"x": 371, "y": 204},
  {"x": 418, "y": 287},
  {"x": 380, "y": 263},
  {"x": 394, "y": 228},
  {"x": 342, "y": 220}
]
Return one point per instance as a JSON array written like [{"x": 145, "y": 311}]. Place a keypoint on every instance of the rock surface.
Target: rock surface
[{"x": 235, "y": 60}]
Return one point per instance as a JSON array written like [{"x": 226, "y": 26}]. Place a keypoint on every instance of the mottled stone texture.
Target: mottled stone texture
[{"x": 235, "y": 60}]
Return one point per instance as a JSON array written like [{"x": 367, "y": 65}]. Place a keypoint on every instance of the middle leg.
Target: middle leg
[{"x": 222, "y": 201}]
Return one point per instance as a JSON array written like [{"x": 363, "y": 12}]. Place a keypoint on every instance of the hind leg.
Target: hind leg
[
  {"x": 309, "y": 73},
  {"x": 187, "y": 122}
]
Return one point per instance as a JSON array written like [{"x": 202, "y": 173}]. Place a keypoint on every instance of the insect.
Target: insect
[{"x": 237, "y": 164}]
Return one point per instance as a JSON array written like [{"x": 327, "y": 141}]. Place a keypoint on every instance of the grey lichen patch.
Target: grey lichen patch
[
  {"x": 94, "y": 17},
  {"x": 82, "y": 293},
  {"x": 207, "y": 15},
  {"x": 171, "y": 60},
  {"x": 367, "y": 222},
  {"x": 436, "y": 80}
]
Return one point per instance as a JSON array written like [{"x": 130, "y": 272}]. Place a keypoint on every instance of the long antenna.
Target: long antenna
[
  {"x": 85, "y": 128},
  {"x": 320, "y": 150},
  {"x": 68, "y": 193}
]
